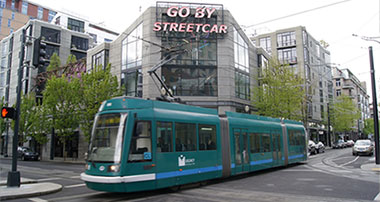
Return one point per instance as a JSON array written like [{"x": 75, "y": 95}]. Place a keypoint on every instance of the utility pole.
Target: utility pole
[
  {"x": 374, "y": 102},
  {"x": 14, "y": 175},
  {"x": 328, "y": 126}
]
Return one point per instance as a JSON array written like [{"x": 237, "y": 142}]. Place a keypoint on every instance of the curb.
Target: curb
[{"x": 29, "y": 190}]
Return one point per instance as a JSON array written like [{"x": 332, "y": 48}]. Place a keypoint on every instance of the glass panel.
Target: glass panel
[
  {"x": 237, "y": 149},
  {"x": 265, "y": 142},
  {"x": 141, "y": 142},
  {"x": 186, "y": 138},
  {"x": 207, "y": 137},
  {"x": 164, "y": 137},
  {"x": 245, "y": 148},
  {"x": 107, "y": 138}
]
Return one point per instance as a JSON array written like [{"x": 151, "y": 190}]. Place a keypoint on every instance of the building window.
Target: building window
[
  {"x": 9, "y": 22},
  {"x": 242, "y": 82},
  {"x": 132, "y": 49},
  {"x": 24, "y": 9},
  {"x": 190, "y": 80},
  {"x": 132, "y": 80},
  {"x": 94, "y": 37},
  {"x": 50, "y": 49},
  {"x": 100, "y": 58},
  {"x": 75, "y": 25},
  {"x": 40, "y": 13},
  {"x": 79, "y": 43},
  {"x": 337, "y": 82},
  {"x": 13, "y": 5},
  {"x": 13, "y": 15},
  {"x": 52, "y": 35},
  {"x": 265, "y": 43},
  {"x": 287, "y": 56},
  {"x": 338, "y": 92},
  {"x": 286, "y": 39},
  {"x": 3, "y": 3},
  {"x": 78, "y": 55},
  {"x": 51, "y": 15}
]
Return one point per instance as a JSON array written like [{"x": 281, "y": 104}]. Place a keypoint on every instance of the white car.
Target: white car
[{"x": 320, "y": 147}]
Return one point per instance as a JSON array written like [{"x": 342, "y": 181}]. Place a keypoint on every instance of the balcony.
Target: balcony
[
  {"x": 292, "y": 60},
  {"x": 288, "y": 43}
]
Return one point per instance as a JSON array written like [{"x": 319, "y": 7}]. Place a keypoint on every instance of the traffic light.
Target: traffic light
[
  {"x": 39, "y": 53},
  {"x": 8, "y": 112}
]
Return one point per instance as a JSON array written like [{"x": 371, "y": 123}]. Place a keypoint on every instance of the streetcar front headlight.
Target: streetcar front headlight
[
  {"x": 113, "y": 168},
  {"x": 88, "y": 167}
]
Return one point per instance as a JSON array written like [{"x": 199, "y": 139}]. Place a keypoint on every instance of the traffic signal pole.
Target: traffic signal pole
[{"x": 14, "y": 175}]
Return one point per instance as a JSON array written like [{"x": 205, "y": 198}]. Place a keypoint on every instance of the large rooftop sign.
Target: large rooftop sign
[{"x": 189, "y": 18}]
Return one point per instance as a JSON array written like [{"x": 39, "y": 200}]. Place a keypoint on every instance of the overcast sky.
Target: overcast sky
[{"x": 334, "y": 24}]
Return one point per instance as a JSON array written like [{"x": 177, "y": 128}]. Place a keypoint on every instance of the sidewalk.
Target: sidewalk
[{"x": 28, "y": 188}]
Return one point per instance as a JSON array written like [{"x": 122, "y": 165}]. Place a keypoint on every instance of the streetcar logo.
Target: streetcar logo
[{"x": 181, "y": 160}]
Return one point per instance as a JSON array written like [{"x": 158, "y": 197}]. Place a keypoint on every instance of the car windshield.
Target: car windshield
[
  {"x": 107, "y": 138},
  {"x": 362, "y": 143}
]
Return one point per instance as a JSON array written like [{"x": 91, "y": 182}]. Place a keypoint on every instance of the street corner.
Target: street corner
[
  {"x": 371, "y": 167},
  {"x": 28, "y": 190}
]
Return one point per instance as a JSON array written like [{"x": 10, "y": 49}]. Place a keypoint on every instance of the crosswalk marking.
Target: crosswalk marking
[
  {"x": 75, "y": 185},
  {"x": 37, "y": 200}
]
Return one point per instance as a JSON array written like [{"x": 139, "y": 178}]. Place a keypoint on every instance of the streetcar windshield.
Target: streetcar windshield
[{"x": 107, "y": 138}]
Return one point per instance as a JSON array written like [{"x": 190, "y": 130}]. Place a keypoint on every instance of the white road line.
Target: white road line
[
  {"x": 75, "y": 177},
  {"x": 349, "y": 162},
  {"x": 377, "y": 198},
  {"x": 75, "y": 185},
  {"x": 37, "y": 200},
  {"x": 49, "y": 179}
]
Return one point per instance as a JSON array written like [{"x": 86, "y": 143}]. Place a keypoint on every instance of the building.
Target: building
[
  {"x": 98, "y": 32},
  {"x": 15, "y": 13},
  {"x": 298, "y": 49},
  {"x": 346, "y": 83},
  {"x": 200, "y": 52},
  {"x": 58, "y": 40}
]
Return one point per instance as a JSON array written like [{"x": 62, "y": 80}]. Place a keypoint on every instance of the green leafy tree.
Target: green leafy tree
[
  {"x": 344, "y": 114},
  {"x": 27, "y": 110},
  {"x": 280, "y": 92},
  {"x": 369, "y": 126},
  {"x": 72, "y": 59},
  {"x": 97, "y": 86},
  {"x": 61, "y": 101},
  {"x": 55, "y": 62}
]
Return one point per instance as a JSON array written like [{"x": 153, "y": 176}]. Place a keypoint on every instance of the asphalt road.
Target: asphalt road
[{"x": 331, "y": 176}]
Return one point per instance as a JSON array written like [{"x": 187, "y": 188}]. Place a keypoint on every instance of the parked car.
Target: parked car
[
  {"x": 25, "y": 153},
  {"x": 320, "y": 147},
  {"x": 339, "y": 144},
  {"x": 350, "y": 143},
  {"x": 362, "y": 147},
  {"x": 312, "y": 147}
]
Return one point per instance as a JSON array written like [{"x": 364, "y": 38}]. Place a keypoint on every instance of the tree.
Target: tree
[
  {"x": 280, "y": 93},
  {"x": 27, "y": 108},
  {"x": 72, "y": 59},
  {"x": 344, "y": 114},
  {"x": 97, "y": 86},
  {"x": 369, "y": 127},
  {"x": 61, "y": 102},
  {"x": 55, "y": 62}
]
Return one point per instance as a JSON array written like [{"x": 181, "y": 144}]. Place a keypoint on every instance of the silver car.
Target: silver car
[{"x": 362, "y": 147}]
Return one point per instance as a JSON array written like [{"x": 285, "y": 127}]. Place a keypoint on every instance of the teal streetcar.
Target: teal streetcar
[{"x": 139, "y": 144}]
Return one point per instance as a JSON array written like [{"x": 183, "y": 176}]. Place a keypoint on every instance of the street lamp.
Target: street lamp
[{"x": 374, "y": 99}]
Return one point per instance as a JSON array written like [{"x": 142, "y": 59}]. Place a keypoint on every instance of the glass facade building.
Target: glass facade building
[{"x": 202, "y": 56}]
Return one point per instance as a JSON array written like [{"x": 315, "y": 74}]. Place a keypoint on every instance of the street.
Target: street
[{"x": 335, "y": 175}]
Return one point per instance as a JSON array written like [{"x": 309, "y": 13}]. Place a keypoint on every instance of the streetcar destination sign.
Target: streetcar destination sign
[{"x": 184, "y": 12}]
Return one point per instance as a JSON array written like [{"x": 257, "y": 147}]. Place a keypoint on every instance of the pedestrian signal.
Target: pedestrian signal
[{"x": 8, "y": 112}]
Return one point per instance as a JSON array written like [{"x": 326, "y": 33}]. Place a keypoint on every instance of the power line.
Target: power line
[{"x": 294, "y": 14}]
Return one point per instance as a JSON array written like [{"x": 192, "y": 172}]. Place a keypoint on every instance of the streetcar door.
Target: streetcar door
[
  {"x": 276, "y": 141},
  {"x": 237, "y": 151},
  {"x": 241, "y": 151},
  {"x": 245, "y": 150}
]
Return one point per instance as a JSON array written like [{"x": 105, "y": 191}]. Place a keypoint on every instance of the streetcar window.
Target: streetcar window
[
  {"x": 207, "y": 137},
  {"x": 255, "y": 142},
  {"x": 265, "y": 143},
  {"x": 186, "y": 137},
  {"x": 106, "y": 138},
  {"x": 164, "y": 137},
  {"x": 141, "y": 142}
]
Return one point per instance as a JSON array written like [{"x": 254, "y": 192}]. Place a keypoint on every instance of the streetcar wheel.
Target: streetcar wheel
[
  {"x": 175, "y": 188},
  {"x": 203, "y": 183}
]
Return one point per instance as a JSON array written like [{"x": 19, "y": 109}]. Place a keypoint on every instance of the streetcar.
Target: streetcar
[{"x": 139, "y": 144}]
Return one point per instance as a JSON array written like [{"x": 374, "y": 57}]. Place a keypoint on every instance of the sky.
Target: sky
[{"x": 334, "y": 24}]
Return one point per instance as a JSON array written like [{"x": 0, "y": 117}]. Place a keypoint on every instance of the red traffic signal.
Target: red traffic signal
[{"x": 8, "y": 112}]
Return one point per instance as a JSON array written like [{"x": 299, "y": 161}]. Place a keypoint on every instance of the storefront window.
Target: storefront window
[{"x": 132, "y": 49}]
